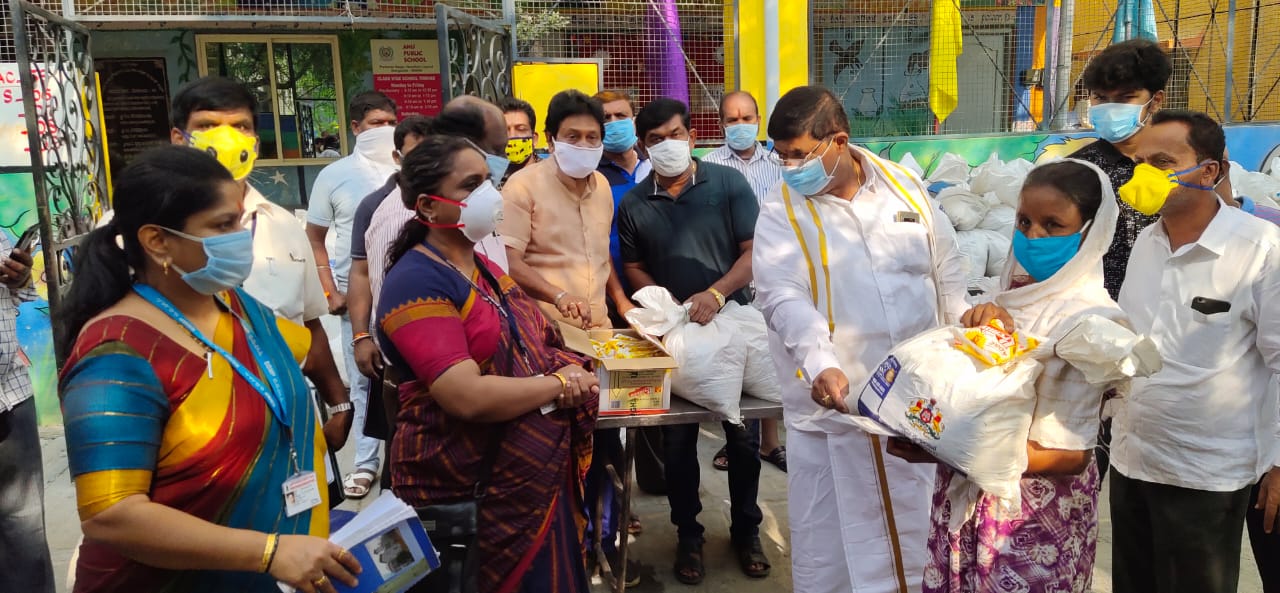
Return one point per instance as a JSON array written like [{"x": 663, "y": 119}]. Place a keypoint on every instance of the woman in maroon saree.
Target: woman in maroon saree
[{"x": 479, "y": 357}]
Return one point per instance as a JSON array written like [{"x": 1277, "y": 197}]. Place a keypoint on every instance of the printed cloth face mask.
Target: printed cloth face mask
[
  {"x": 1044, "y": 256},
  {"x": 1116, "y": 122},
  {"x": 577, "y": 161},
  {"x": 670, "y": 158},
  {"x": 481, "y": 212},
  {"x": 236, "y": 150},
  {"x": 1149, "y": 188},
  {"x": 620, "y": 135},
  {"x": 741, "y": 136},
  {"x": 811, "y": 177},
  {"x": 519, "y": 150},
  {"x": 229, "y": 259}
]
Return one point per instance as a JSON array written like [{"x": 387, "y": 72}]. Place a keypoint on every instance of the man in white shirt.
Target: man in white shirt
[
  {"x": 334, "y": 198},
  {"x": 284, "y": 274},
  {"x": 1189, "y": 442},
  {"x": 740, "y": 119},
  {"x": 848, "y": 263}
]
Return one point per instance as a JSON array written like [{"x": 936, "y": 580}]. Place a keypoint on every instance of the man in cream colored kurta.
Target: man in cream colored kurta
[{"x": 843, "y": 275}]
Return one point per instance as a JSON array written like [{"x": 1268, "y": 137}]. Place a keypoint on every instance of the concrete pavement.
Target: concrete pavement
[{"x": 654, "y": 548}]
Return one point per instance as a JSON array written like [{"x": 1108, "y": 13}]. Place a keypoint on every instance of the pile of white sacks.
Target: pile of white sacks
[{"x": 981, "y": 204}]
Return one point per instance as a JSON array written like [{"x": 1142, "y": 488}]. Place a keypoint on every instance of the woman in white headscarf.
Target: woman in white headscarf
[{"x": 1066, "y": 219}]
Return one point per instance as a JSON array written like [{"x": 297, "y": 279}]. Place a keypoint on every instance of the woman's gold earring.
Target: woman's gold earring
[{"x": 166, "y": 267}]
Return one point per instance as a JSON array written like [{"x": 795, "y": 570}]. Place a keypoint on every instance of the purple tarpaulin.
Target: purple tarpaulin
[{"x": 664, "y": 58}]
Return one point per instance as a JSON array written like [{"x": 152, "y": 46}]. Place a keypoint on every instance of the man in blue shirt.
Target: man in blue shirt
[{"x": 622, "y": 165}]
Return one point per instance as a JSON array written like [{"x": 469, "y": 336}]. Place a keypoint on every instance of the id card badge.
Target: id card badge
[
  {"x": 907, "y": 216},
  {"x": 301, "y": 493},
  {"x": 548, "y": 407}
]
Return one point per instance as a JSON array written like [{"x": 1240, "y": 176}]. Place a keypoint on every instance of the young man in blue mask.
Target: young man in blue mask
[
  {"x": 216, "y": 114},
  {"x": 893, "y": 274},
  {"x": 1126, "y": 86},
  {"x": 1192, "y": 440}
]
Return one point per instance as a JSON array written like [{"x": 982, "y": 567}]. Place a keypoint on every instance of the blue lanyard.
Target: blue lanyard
[{"x": 272, "y": 391}]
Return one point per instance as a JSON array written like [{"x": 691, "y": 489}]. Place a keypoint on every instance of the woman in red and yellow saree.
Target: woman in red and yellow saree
[
  {"x": 483, "y": 360},
  {"x": 191, "y": 436}
]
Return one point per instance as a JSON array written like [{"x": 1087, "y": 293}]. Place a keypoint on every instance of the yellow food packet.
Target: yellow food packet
[
  {"x": 622, "y": 346},
  {"x": 993, "y": 345}
]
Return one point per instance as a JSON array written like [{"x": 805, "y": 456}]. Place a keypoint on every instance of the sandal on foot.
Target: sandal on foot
[
  {"x": 752, "y": 559},
  {"x": 633, "y": 526},
  {"x": 778, "y": 457},
  {"x": 721, "y": 459},
  {"x": 689, "y": 568},
  {"x": 358, "y": 483}
]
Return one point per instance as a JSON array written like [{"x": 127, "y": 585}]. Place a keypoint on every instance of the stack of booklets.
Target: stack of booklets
[{"x": 391, "y": 545}]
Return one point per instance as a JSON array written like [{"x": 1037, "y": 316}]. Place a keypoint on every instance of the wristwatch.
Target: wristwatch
[{"x": 342, "y": 407}]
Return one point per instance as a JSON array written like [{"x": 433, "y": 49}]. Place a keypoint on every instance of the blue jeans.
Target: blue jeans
[
  {"x": 24, "y": 565},
  {"x": 366, "y": 447},
  {"x": 684, "y": 472}
]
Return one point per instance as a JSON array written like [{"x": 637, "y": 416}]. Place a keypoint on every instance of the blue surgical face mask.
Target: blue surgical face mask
[
  {"x": 229, "y": 259},
  {"x": 1116, "y": 122},
  {"x": 497, "y": 166},
  {"x": 741, "y": 136},
  {"x": 811, "y": 177},
  {"x": 619, "y": 135},
  {"x": 1043, "y": 257}
]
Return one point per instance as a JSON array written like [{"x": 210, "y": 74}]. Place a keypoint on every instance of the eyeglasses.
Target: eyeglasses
[{"x": 785, "y": 162}]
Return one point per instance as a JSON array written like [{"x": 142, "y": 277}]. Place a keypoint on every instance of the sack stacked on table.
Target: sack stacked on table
[{"x": 719, "y": 361}]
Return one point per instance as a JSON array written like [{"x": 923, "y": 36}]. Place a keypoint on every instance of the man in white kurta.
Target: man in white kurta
[{"x": 841, "y": 280}]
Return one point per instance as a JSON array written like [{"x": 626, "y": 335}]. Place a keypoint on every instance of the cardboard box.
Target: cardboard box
[{"x": 628, "y": 386}]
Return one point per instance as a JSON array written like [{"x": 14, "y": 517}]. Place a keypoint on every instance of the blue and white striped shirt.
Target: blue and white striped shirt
[{"x": 761, "y": 172}]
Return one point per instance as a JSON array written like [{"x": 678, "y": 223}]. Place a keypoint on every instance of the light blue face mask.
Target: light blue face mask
[
  {"x": 229, "y": 259},
  {"x": 1043, "y": 257},
  {"x": 1116, "y": 122},
  {"x": 497, "y": 167},
  {"x": 741, "y": 136},
  {"x": 811, "y": 177},
  {"x": 619, "y": 135}
]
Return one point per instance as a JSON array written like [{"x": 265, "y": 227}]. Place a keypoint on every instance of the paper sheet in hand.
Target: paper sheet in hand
[{"x": 391, "y": 545}]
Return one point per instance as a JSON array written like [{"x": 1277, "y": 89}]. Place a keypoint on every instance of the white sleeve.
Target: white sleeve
[
  {"x": 320, "y": 200},
  {"x": 783, "y": 293},
  {"x": 1266, "y": 297},
  {"x": 1068, "y": 409}
]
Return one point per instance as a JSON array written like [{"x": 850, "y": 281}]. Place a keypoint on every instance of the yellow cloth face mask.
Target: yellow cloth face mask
[
  {"x": 236, "y": 150},
  {"x": 519, "y": 150},
  {"x": 1150, "y": 187}
]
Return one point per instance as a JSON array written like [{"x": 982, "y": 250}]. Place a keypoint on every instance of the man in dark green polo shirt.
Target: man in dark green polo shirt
[{"x": 688, "y": 227}]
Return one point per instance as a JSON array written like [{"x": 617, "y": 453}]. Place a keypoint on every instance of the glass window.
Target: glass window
[{"x": 299, "y": 97}]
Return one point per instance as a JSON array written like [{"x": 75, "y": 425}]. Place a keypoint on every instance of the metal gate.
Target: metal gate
[
  {"x": 478, "y": 52},
  {"x": 60, "y": 102}
]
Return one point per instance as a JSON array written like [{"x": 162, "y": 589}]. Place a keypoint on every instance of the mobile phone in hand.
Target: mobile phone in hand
[{"x": 28, "y": 239}]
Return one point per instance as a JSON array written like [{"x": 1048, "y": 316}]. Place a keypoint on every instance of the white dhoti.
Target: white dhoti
[{"x": 843, "y": 537}]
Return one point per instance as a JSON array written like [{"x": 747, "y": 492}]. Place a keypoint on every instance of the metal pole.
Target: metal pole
[
  {"x": 509, "y": 16},
  {"x": 1229, "y": 80},
  {"x": 17, "y": 12},
  {"x": 772, "y": 69},
  {"x": 1062, "y": 87},
  {"x": 1050, "y": 58},
  {"x": 446, "y": 60},
  {"x": 1250, "y": 112}
]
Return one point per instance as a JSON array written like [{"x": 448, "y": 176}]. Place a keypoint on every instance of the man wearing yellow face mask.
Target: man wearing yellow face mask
[
  {"x": 1189, "y": 442},
  {"x": 521, "y": 122},
  {"x": 216, "y": 114}
]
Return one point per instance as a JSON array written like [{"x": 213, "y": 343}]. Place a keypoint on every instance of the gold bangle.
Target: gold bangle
[
  {"x": 719, "y": 296},
  {"x": 564, "y": 383},
  {"x": 269, "y": 552}
]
